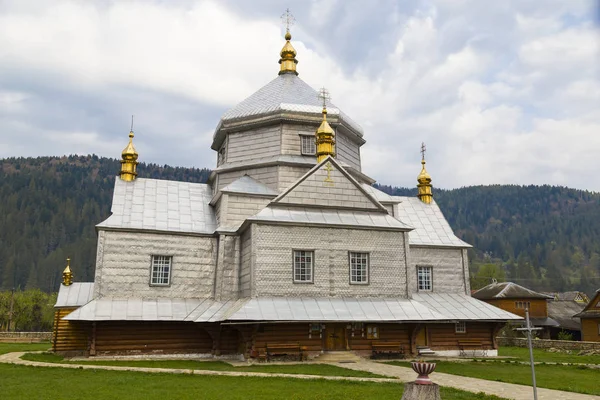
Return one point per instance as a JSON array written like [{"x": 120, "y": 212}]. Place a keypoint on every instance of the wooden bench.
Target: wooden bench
[
  {"x": 465, "y": 345},
  {"x": 387, "y": 348},
  {"x": 284, "y": 349}
]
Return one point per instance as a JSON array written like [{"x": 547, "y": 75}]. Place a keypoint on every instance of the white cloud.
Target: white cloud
[{"x": 501, "y": 92}]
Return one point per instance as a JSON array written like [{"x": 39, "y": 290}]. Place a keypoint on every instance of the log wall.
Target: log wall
[
  {"x": 444, "y": 337},
  {"x": 539, "y": 307},
  {"x": 69, "y": 336},
  {"x": 287, "y": 333},
  {"x": 151, "y": 337}
]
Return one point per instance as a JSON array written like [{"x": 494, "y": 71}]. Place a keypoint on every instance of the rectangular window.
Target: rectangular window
[
  {"x": 372, "y": 332},
  {"x": 424, "y": 278},
  {"x": 161, "y": 270},
  {"x": 460, "y": 327},
  {"x": 308, "y": 145},
  {"x": 359, "y": 268},
  {"x": 303, "y": 266}
]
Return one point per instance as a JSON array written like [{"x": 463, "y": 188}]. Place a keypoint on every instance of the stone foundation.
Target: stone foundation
[
  {"x": 25, "y": 337},
  {"x": 550, "y": 344}
]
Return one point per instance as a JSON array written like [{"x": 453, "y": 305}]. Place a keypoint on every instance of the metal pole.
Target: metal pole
[{"x": 530, "y": 345}]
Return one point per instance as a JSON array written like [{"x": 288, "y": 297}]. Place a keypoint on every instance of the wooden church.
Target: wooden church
[{"x": 287, "y": 250}]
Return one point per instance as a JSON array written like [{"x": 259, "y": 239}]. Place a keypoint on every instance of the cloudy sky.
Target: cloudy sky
[{"x": 500, "y": 91}]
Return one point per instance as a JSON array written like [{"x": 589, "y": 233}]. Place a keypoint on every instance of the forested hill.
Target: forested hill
[{"x": 544, "y": 237}]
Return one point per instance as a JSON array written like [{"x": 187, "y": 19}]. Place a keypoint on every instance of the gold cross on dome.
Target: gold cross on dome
[
  {"x": 423, "y": 150},
  {"x": 328, "y": 168},
  {"x": 324, "y": 95},
  {"x": 287, "y": 19}
]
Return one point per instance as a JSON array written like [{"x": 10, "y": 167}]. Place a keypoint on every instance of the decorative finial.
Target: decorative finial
[
  {"x": 67, "y": 274},
  {"x": 129, "y": 158},
  {"x": 424, "y": 180},
  {"x": 325, "y": 135},
  {"x": 288, "y": 53}
]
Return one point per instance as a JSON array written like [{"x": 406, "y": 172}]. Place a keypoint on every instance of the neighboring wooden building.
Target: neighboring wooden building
[
  {"x": 590, "y": 320},
  {"x": 516, "y": 299},
  {"x": 287, "y": 248},
  {"x": 562, "y": 309}
]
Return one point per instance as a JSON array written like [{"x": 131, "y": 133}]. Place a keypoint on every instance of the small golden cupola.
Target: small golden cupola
[
  {"x": 424, "y": 181},
  {"x": 129, "y": 160},
  {"x": 67, "y": 274},
  {"x": 288, "y": 53},
  {"x": 325, "y": 136}
]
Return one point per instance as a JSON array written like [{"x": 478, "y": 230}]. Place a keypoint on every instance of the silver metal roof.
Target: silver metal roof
[
  {"x": 107, "y": 309},
  {"x": 75, "y": 295},
  {"x": 161, "y": 205},
  {"x": 462, "y": 307},
  {"x": 431, "y": 228},
  {"x": 286, "y": 92},
  {"x": 422, "y": 307},
  {"x": 248, "y": 185},
  {"x": 508, "y": 290},
  {"x": 331, "y": 217},
  {"x": 379, "y": 195}
]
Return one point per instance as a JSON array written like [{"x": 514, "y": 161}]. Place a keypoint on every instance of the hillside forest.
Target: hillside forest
[{"x": 543, "y": 237}]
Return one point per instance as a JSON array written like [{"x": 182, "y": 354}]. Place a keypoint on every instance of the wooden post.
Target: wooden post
[
  {"x": 413, "y": 391},
  {"x": 93, "y": 343}
]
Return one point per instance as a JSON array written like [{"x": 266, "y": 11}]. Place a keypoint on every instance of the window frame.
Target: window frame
[
  {"x": 312, "y": 267},
  {"x": 170, "y": 275},
  {"x": 461, "y": 324},
  {"x": 368, "y": 268},
  {"x": 374, "y": 331},
  {"x": 430, "y": 269},
  {"x": 306, "y": 137}
]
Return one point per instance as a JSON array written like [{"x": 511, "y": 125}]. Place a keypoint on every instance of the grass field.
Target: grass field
[
  {"x": 308, "y": 369},
  {"x": 539, "y": 355},
  {"x": 10, "y": 347},
  {"x": 40, "y": 383},
  {"x": 568, "y": 378}
]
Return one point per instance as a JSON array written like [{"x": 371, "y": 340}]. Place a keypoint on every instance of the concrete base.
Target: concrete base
[
  {"x": 412, "y": 391},
  {"x": 469, "y": 353}
]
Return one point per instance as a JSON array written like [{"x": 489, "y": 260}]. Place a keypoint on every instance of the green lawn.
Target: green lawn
[
  {"x": 540, "y": 355},
  {"x": 568, "y": 378},
  {"x": 308, "y": 369},
  {"x": 10, "y": 347},
  {"x": 22, "y": 382}
]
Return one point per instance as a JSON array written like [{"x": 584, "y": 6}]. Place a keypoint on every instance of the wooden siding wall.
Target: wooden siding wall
[
  {"x": 539, "y": 307},
  {"x": 286, "y": 333},
  {"x": 387, "y": 333},
  {"x": 152, "y": 337},
  {"x": 68, "y": 336},
  {"x": 589, "y": 329},
  {"x": 444, "y": 337}
]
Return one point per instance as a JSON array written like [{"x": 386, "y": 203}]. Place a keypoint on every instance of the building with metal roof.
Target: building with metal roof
[{"x": 287, "y": 246}]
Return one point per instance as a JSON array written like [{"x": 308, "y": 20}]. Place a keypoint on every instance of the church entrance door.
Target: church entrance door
[{"x": 335, "y": 337}]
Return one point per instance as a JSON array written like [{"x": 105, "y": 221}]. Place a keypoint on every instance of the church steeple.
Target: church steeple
[
  {"x": 129, "y": 159},
  {"x": 325, "y": 135},
  {"x": 288, "y": 53},
  {"x": 67, "y": 274},
  {"x": 424, "y": 181}
]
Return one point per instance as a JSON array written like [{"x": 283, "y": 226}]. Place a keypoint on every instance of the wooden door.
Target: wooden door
[
  {"x": 335, "y": 337},
  {"x": 421, "y": 339}
]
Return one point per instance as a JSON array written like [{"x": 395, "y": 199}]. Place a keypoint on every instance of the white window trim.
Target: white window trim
[
  {"x": 460, "y": 327},
  {"x": 154, "y": 264},
  {"x": 368, "y": 267},
  {"x": 314, "y": 145},
  {"x": 312, "y": 266},
  {"x": 425, "y": 268}
]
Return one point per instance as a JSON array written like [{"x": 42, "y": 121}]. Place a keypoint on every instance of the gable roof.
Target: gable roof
[
  {"x": 160, "y": 205},
  {"x": 507, "y": 290},
  {"x": 563, "y": 311},
  {"x": 431, "y": 228},
  {"x": 331, "y": 188},
  {"x": 287, "y": 92},
  {"x": 74, "y": 295},
  {"x": 592, "y": 309}
]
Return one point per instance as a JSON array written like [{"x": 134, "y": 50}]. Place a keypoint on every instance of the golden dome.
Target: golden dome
[
  {"x": 288, "y": 57},
  {"x": 424, "y": 176},
  {"x": 129, "y": 152},
  {"x": 325, "y": 140},
  {"x": 67, "y": 274}
]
